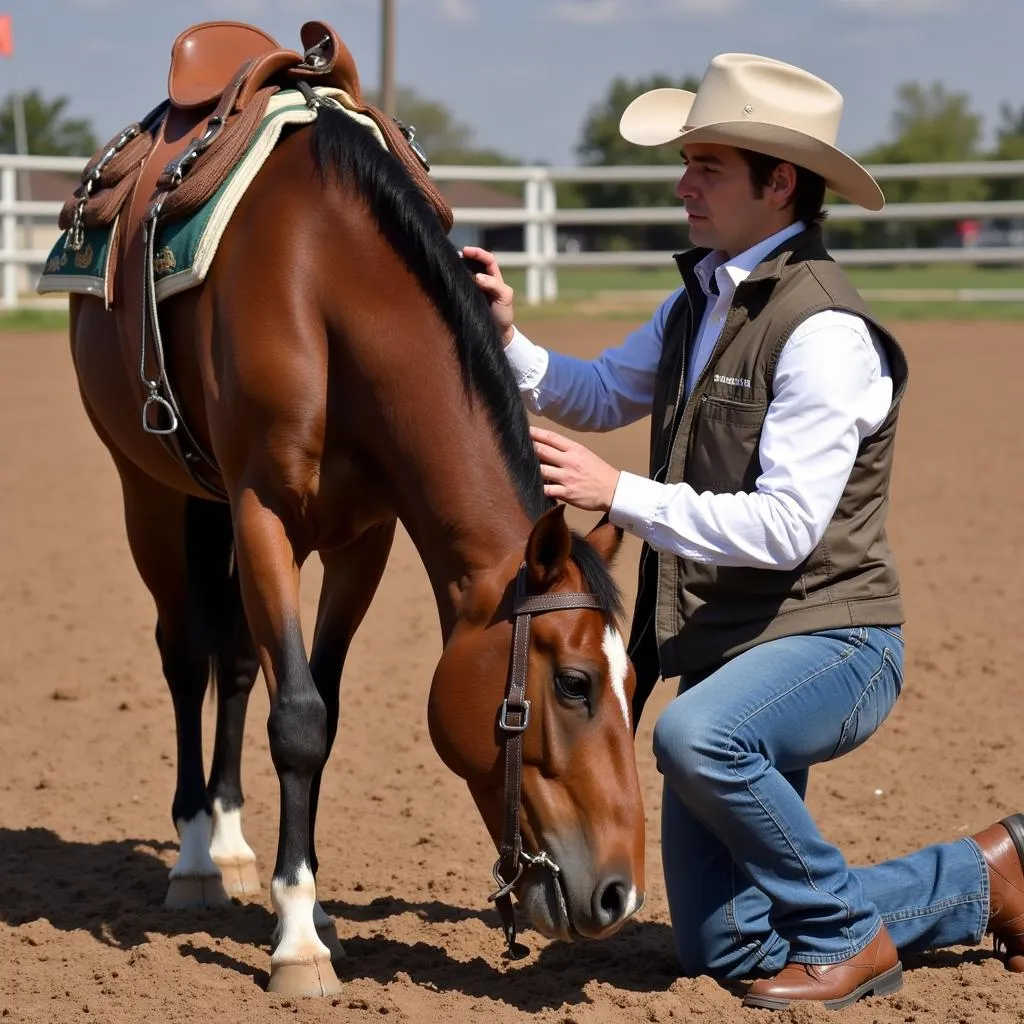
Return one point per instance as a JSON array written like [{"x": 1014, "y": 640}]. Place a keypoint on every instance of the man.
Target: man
[{"x": 767, "y": 582}]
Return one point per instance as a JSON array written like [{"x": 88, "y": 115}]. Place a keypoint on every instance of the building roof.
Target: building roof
[
  {"x": 47, "y": 186},
  {"x": 476, "y": 193}
]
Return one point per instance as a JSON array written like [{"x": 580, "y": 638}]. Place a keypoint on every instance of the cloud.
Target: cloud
[
  {"x": 606, "y": 12},
  {"x": 587, "y": 12},
  {"x": 97, "y": 5},
  {"x": 458, "y": 10},
  {"x": 902, "y": 8},
  {"x": 696, "y": 8}
]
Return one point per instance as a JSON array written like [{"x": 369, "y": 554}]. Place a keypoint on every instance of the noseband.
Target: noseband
[{"x": 513, "y": 720}]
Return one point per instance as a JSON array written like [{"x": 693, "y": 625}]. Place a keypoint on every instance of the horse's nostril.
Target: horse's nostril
[{"x": 610, "y": 900}]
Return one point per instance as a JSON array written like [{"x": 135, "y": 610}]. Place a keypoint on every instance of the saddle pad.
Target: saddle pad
[{"x": 185, "y": 248}]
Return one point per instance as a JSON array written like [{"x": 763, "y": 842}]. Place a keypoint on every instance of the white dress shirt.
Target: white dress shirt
[{"x": 832, "y": 389}]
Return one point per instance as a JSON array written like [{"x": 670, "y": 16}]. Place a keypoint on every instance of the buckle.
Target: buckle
[
  {"x": 505, "y": 725},
  {"x": 409, "y": 132}
]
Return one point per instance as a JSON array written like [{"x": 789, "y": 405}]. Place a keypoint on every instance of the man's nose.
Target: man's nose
[{"x": 684, "y": 189}]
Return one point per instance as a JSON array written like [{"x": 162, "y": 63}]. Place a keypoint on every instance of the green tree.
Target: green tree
[
  {"x": 442, "y": 137},
  {"x": 601, "y": 145},
  {"x": 929, "y": 125},
  {"x": 1009, "y": 146},
  {"x": 49, "y": 131}
]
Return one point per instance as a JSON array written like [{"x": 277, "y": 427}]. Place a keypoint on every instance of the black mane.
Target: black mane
[{"x": 345, "y": 148}]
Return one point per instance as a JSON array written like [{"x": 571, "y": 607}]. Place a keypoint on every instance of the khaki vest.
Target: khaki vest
[{"x": 689, "y": 616}]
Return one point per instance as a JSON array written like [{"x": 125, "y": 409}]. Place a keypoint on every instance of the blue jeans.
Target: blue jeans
[{"x": 751, "y": 882}]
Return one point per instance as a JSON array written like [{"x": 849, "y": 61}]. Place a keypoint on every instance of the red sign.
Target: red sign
[{"x": 6, "y": 36}]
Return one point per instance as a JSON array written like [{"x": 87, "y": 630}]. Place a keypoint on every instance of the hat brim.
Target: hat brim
[{"x": 659, "y": 117}]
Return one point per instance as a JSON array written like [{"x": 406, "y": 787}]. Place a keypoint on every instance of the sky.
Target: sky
[{"x": 524, "y": 73}]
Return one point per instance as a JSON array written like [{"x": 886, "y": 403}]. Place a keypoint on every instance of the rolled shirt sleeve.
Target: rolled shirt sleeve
[{"x": 600, "y": 394}]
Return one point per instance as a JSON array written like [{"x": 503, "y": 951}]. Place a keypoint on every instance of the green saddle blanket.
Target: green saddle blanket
[{"x": 185, "y": 248}]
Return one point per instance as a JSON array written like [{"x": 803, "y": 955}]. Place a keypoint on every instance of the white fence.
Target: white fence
[{"x": 541, "y": 219}]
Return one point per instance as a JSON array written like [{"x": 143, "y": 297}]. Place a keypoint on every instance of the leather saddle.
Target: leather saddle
[{"x": 222, "y": 75}]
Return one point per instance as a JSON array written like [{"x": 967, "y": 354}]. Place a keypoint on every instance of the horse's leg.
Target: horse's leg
[
  {"x": 166, "y": 533},
  {"x": 236, "y": 665},
  {"x": 351, "y": 577},
  {"x": 268, "y": 566}
]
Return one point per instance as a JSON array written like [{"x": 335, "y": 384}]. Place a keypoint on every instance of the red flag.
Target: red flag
[{"x": 6, "y": 36}]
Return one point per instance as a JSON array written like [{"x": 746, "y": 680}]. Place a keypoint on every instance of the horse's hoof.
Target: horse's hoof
[
  {"x": 192, "y": 892},
  {"x": 311, "y": 979},
  {"x": 328, "y": 935},
  {"x": 240, "y": 878}
]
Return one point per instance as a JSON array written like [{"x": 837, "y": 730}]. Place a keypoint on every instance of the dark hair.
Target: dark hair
[{"x": 809, "y": 195}]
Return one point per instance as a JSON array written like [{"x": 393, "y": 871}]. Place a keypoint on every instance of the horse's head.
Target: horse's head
[{"x": 571, "y": 837}]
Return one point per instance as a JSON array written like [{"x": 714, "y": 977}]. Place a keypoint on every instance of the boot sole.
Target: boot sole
[{"x": 884, "y": 985}]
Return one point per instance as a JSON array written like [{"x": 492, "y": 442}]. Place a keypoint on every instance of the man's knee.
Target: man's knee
[{"x": 687, "y": 746}]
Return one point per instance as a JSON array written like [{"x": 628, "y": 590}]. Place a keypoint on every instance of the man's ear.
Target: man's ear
[{"x": 783, "y": 183}]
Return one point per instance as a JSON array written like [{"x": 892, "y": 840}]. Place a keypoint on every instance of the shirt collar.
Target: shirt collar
[{"x": 729, "y": 273}]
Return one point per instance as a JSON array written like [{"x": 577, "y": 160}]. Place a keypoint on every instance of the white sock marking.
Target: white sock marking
[
  {"x": 295, "y": 905},
  {"x": 194, "y": 860},
  {"x": 618, "y": 667},
  {"x": 228, "y": 845}
]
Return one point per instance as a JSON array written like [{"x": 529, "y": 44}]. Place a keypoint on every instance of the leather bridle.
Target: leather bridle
[{"x": 513, "y": 720}]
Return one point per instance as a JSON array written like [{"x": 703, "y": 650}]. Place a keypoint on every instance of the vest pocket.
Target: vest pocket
[{"x": 724, "y": 454}]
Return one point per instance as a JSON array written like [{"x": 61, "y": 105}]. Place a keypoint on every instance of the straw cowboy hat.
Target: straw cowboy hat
[{"x": 759, "y": 104}]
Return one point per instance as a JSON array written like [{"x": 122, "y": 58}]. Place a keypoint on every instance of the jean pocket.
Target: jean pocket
[
  {"x": 873, "y": 706},
  {"x": 895, "y": 632}
]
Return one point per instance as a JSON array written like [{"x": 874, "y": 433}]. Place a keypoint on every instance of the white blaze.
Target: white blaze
[{"x": 618, "y": 667}]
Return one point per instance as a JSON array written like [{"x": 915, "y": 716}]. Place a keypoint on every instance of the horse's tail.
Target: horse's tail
[{"x": 214, "y": 590}]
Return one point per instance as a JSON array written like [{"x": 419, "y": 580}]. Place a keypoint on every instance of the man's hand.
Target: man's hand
[
  {"x": 498, "y": 294},
  {"x": 572, "y": 473}
]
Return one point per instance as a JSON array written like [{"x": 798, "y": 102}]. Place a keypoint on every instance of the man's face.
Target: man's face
[{"x": 720, "y": 202}]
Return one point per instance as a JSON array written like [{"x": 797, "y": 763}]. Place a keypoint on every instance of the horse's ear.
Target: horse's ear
[
  {"x": 605, "y": 539},
  {"x": 548, "y": 549}
]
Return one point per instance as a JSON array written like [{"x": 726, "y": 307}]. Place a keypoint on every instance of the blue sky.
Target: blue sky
[{"x": 523, "y": 73}]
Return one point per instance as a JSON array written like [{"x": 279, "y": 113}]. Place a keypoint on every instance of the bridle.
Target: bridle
[{"x": 513, "y": 720}]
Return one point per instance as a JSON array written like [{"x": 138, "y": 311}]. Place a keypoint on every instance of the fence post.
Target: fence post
[
  {"x": 532, "y": 242},
  {"x": 9, "y": 236},
  {"x": 549, "y": 238}
]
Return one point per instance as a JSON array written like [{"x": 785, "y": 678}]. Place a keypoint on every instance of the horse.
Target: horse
[{"x": 344, "y": 373}]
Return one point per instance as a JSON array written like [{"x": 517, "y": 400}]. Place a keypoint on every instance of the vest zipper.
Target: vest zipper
[{"x": 672, "y": 442}]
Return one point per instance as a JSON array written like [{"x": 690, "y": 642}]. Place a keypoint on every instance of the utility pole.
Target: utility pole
[{"x": 388, "y": 99}]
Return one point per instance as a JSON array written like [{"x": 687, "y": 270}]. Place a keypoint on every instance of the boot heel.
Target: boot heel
[
  {"x": 884, "y": 985},
  {"x": 891, "y": 981}
]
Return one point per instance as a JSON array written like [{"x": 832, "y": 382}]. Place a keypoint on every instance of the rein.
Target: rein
[{"x": 513, "y": 721}]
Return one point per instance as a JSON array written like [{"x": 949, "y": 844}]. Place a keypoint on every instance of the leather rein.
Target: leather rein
[{"x": 513, "y": 720}]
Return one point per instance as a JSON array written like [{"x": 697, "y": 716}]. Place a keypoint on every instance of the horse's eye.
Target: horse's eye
[{"x": 573, "y": 685}]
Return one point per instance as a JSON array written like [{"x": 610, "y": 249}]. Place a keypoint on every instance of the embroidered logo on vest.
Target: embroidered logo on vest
[{"x": 741, "y": 382}]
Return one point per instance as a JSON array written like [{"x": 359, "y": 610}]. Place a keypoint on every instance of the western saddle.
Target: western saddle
[{"x": 167, "y": 165}]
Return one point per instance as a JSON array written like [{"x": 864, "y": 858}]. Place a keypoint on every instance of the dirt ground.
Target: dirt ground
[{"x": 87, "y": 763}]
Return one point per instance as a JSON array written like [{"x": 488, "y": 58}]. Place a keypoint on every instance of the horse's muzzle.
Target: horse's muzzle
[{"x": 573, "y": 904}]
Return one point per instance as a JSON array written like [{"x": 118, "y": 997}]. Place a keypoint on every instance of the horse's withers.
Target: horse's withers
[{"x": 580, "y": 811}]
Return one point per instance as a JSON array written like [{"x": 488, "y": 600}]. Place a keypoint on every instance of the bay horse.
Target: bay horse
[{"x": 342, "y": 368}]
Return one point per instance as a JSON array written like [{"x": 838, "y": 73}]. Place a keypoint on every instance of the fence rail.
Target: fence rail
[{"x": 540, "y": 217}]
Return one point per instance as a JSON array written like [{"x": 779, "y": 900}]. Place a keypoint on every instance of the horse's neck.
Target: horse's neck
[{"x": 469, "y": 537}]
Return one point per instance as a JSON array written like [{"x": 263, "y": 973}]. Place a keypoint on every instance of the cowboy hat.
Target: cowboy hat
[{"x": 759, "y": 104}]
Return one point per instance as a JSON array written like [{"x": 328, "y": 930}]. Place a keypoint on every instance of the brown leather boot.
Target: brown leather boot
[
  {"x": 1002, "y": 845},
  {"x": 874, "y": 971}
]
